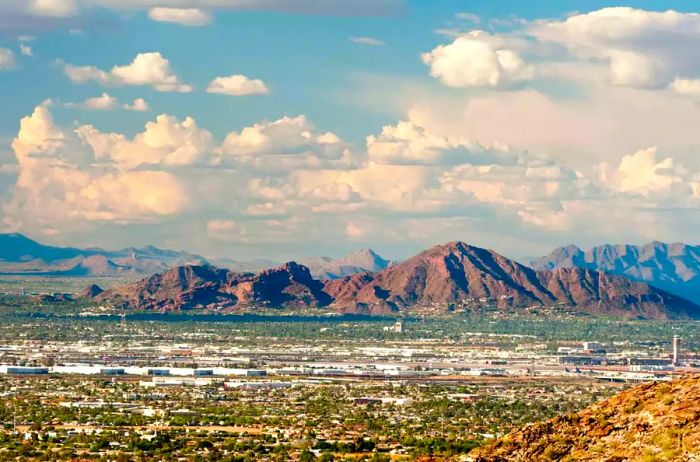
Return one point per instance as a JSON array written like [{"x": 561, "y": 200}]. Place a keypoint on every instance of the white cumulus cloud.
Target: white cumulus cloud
[
  {"x": 289, "y": 142},
  {"x": 106, "y": 102},
  {"x": 643, "y": 48},
  {"x": 476, "y": 60},
  {"x": 59, "y": 181},
  {"x": 146, "y": 69},
  {"x": 165, "y": 141},
  {"x": 644, "y": 173},
  {"x": 138, "y": 105},
  {"x": 183, "y": 16},
  {"x": 237, "y": 85}
]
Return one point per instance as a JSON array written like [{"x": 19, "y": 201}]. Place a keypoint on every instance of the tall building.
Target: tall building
[
  {"x": 676, "y": 350},
  {"x": 396, "y": 327}
]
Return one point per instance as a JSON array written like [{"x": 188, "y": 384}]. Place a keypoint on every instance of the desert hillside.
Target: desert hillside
[{"x": 652, "y": 422}]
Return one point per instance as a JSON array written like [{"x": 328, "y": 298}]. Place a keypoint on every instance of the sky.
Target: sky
[{"x": 290, "y": 128}]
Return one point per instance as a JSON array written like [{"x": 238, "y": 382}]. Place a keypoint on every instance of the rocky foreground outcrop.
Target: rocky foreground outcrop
[
  {"x": 652, "y": 422},
  {"x": 442, "y": 278}
]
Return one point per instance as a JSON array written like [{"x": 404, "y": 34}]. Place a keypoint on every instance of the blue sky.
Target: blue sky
[
  {"x": 513, "y": 125},
  {"x": 307, "y": 59}
]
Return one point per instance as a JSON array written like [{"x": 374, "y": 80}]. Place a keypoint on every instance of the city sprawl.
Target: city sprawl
[{"x": 80, "y": 385}]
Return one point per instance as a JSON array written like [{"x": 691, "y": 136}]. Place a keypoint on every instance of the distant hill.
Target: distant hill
[
  {"x": 200, "y": 287},
  {"x": 360, "y": 261},
  {"x": 440, "y": 277},
  {"x": 656, "y": 421},
  {"x": 22, "y": 255},
  {"x": 674, "y": 268}
]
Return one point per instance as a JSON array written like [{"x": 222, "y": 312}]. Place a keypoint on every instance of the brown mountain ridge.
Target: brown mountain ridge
[{"x": 443, "y": 277}]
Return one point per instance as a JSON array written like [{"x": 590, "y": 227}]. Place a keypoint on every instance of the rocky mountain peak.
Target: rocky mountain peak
[{"x": 364, "y": 254}]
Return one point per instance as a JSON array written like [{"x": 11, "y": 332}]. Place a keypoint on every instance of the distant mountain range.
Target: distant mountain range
[
  {"x": 651, "y": 281},
  {"x": 22, "y": 255},
  {"x": 674, "y": 268},
  {"x": 442, "y": 278}
]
